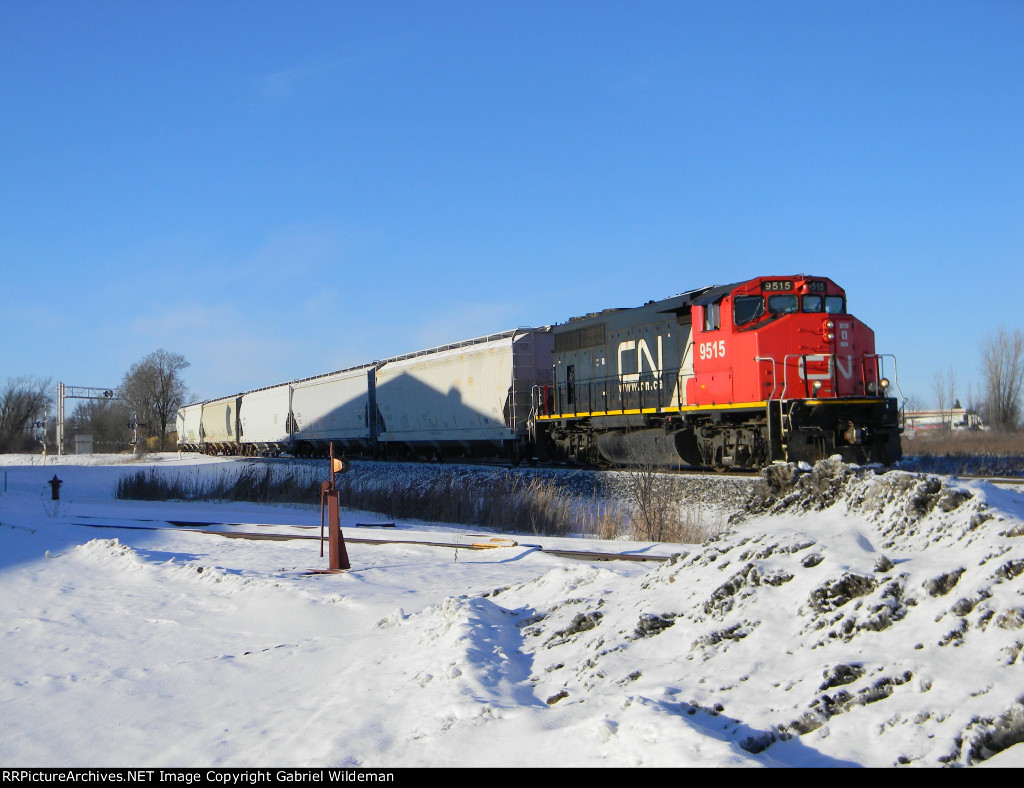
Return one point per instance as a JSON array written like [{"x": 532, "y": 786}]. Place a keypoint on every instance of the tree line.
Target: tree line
[
  {"x": 150, "y": 394},
  {"x": 1000, "y": 401},
  {"x": 1003, "y": 372}
]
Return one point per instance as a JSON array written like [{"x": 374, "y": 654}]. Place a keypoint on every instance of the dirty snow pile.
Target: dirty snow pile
[{"x": 846, "y": 618}]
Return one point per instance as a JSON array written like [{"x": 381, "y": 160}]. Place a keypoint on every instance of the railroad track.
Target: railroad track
[
  {"x": 553, "y": 466},
  {"x": 505, "y": 464},
  {"x": 213, "y": 529},
  {"x": 996, "y": 479}
]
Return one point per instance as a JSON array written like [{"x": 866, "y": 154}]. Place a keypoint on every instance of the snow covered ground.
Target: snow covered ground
[{"x": 846, "y": 619}]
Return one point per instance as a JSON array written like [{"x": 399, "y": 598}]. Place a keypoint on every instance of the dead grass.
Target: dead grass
[
  {"x": 685, "y": 525},
  {"x": 692, "y": 526},
  {"x": 504, "y": 503},
  {"x": 655, "y": 513},
  {"x": 250, "y": 484},
  {"x": 599, "y": 519},
  {"x": 987, "y": 443},
  {"x": 507, "y": 502}
]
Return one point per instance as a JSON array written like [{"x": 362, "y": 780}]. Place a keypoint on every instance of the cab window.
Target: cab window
[
  {"x": 834, "y": 305},
  {"x": 812, "y": 303},
  {"x": 713, "y": 316},
  {"x": 782, "y": 304},
  {"x": 747, "y": 308}
]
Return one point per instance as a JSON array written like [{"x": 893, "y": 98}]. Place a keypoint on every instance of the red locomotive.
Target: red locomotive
[{"x": 741, "y": 375}]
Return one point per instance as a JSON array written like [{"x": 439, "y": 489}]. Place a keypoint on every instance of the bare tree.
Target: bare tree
[
  {"x": 939, "y": 389},
  {"x": 974, "y": 400},
  {"x": 944, "y": 388},
  {"x": 656, "y": 512},
  {"x": 23, "y": 400},
  {"x": 651, "y": 508},
  {"x": 154, "y": 390},
  {"x": 1002, "y": 365},
  {"x": 913, "y": 403},
  {"x": 951, "y": 398}
]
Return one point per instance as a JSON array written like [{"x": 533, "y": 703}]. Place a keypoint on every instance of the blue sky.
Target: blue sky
[{"x": 279, "y": 189}]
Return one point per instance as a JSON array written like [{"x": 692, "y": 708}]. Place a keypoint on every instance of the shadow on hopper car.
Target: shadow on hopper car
[{"x": 411, "y": 420}]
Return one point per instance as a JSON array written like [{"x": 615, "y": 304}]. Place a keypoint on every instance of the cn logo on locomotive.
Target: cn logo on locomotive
[
  {"x": 642, "y": 352},
  {"x": 845, "y": 371}
]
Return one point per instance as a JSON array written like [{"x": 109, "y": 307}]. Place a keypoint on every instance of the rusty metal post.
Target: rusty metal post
[
  {"x": 335, "y": 539},
  {"x": 337, "y": 554}
]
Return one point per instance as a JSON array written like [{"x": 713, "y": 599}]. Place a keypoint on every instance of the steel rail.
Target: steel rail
[{"x": 179, "y": 525}]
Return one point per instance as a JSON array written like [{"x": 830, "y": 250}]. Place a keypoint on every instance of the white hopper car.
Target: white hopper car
[{"x": 465, "y": 399}]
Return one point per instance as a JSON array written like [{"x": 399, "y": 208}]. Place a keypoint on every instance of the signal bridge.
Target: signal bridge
[{"x": 77, "y": 392}]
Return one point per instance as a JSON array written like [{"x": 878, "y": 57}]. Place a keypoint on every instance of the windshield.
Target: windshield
[
  {"x": 812, "y": 303},
  {"x": 746, "y": 309},
  {"x": 782, "y": 304}
]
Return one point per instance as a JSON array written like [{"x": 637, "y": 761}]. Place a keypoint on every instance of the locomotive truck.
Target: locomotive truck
[{"x": 728, "y": 376}]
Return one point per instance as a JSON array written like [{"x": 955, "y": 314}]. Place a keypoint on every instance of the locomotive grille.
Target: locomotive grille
[{"x": 580, "y": 338}]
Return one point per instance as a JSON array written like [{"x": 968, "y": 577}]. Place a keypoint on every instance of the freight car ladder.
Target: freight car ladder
[{"x": 524, "y": 374}]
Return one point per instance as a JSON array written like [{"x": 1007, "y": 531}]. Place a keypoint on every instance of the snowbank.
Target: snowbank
[{"x": 847, "y": 618}]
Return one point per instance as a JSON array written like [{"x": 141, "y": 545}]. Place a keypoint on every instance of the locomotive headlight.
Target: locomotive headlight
[
  {"x": 872, "y": 386},
  {"x": 883, "y": 384},
  {"x": 830, "y": 336},
  {"x": 816, "y": 386},
  {"x": 829, "y": 325}
]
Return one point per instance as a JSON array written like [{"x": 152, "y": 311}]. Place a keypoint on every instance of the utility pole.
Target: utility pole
[{"x": 77, "y": 392}]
